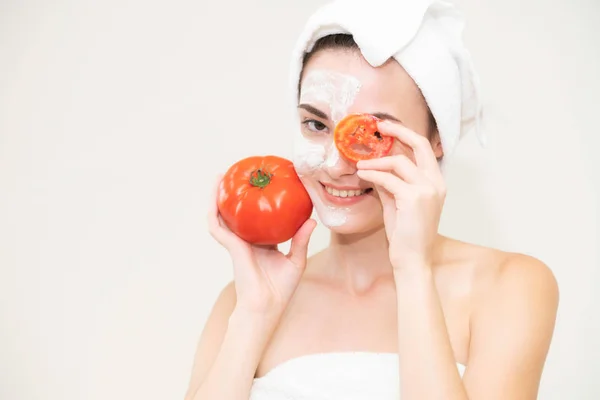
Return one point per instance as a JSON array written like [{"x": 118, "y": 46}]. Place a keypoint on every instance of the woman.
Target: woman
[{"x": 390, "y": 309}]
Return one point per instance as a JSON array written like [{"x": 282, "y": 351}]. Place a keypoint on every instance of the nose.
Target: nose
[{"x": 336, "y": 165}]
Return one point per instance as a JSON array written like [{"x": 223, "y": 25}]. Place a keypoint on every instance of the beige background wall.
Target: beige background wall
[{"x": 116, "y": 115}]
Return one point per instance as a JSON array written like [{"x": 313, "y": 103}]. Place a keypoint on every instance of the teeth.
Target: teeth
[{"x": 343, "y": 193}]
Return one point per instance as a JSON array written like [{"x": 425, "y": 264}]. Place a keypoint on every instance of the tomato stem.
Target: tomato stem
[{"x": 260, "y": 178}]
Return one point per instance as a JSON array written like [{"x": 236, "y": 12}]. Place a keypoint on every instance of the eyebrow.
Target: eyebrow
[
  {"x": 314, "y": 110},
  {"x": 386, "y": 116},
  {"x": 321, "y": 114}
]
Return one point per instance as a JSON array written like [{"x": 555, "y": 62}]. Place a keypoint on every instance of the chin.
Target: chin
[
  {"x": 350, "y": 229},
  {"x": 350, "y": 223}
]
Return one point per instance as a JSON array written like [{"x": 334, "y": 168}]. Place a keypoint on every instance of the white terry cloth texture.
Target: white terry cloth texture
[{"x": 425, "y": 37}]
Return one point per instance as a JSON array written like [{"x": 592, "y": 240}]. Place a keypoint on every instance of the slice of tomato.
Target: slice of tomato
[{"x": 356, "y": 138}]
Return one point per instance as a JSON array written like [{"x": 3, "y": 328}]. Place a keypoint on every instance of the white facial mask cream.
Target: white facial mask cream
[
  {"x": 329, "y": 215},
  {"x": 330, "y": 89},
  {"x": 332, "y": 93}
]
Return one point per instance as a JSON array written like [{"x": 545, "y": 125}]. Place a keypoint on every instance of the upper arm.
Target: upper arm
[
  {"x": 211, "y": 337},
  {"x": 511, "y": 332}
]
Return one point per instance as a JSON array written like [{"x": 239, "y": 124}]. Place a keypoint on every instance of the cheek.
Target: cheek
[
  {"x": 330, "y": 216},
  {"x": 333, "y": 156},
  {"x": 308, "y": 156}
]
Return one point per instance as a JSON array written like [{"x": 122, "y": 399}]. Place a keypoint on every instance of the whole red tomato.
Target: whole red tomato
[{"x": 263, "y": 201}]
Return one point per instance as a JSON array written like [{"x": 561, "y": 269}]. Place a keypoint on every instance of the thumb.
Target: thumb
[{"x": 299, "y": 245}]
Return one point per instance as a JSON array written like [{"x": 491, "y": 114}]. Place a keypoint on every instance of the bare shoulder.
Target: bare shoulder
[
  {"x": 525, "y": 273},
  {"x": 527, "y": 289},
  {"x": 502, "y": 284},
  {"x": 227, "y": 298},
  {"x": 515, "y": 294},
  {"x": 493, "y": 271},
  {"x": 514, "y": 302},
  {"x": 522, "y": 277},
  {"x": 212, "y": 336},
  {"x": 218, "y": 318}
]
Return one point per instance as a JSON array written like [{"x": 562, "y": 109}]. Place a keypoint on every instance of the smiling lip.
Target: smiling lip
[{"x": 333, "y": 194}]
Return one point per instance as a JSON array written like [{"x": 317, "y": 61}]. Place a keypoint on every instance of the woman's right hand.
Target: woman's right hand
[{"x": 265, "y": 278}]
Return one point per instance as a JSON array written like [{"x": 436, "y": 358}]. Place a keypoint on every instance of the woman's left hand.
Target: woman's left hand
[{"x": 412, "y": 191}]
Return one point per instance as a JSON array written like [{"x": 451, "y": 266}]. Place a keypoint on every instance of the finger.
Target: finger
[
  {"x": 216, "y": 226},
  {"x": 212, "y": 215},
  {"x": 400, "y": 164},
  {"x": 266, "y": 247},
  {"x": 420, "y": 145},
  {"x": 299, "y": 246},
  {"x": 383, "y": 194},
  {"x": 396, "y": 186}
]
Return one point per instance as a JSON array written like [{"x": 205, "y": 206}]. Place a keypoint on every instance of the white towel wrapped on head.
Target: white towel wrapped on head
[{"x": 425, "y": 37}]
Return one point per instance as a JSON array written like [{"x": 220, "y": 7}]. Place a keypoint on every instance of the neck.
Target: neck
[{"x": 359, "y": 260}]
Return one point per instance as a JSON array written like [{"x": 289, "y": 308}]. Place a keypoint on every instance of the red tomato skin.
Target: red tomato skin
[
  {"x": 267, "y": 215},
  {"x": 364, "y": 127}
]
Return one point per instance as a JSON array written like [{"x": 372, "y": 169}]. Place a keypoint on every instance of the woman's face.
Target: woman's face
[{"x": 336, "y": 83}]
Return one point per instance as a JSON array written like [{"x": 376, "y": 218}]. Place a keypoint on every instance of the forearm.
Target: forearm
[
  {"x": 428, "y": 368},
  {"x": 232, "y": 373}
]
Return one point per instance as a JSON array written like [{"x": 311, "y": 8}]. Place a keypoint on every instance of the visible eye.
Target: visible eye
[{"x": 314, "y": 125}]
